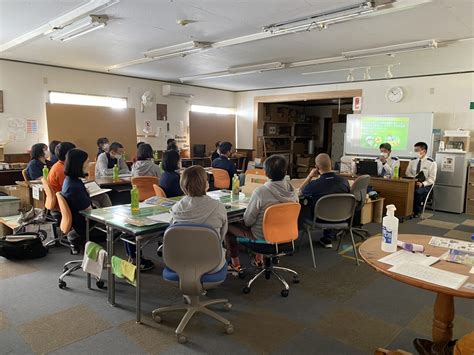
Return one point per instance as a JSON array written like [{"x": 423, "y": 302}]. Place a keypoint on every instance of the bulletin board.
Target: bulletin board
[
  {"x": 208, "y": 128},
  {"x": 82, "y": 125}
]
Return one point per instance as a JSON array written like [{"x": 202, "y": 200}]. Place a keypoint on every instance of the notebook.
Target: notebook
[{"x": 93, "y": 189}]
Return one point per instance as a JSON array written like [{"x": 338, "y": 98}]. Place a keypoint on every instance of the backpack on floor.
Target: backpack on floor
[{"x": 22, "y": 246}]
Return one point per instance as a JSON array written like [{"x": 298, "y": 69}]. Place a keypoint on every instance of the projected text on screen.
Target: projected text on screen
[{"x": 378, "y": 130}]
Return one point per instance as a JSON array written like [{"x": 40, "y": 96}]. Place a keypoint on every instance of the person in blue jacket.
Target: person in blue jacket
[
  {"x": 223, "y": 161},
  {"x": 169, "y": 180},
  {"x": 39, "y": 155}
]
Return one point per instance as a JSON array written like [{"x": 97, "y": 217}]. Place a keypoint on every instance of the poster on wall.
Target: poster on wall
[
  {"x": 447, "y": 164},
  {"x": 31, "y": 126},
  {"x": 16, "y": 129}
]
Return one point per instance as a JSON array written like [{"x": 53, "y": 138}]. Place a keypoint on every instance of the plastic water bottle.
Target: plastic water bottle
[
  {"x": 235, "y": 185},
  {"x": 396, "y": 172},
  {"x": 115, "y": 172},
  {"x": 135, "y": 199},
  {"x": 45, "y": 172},
  {"x": 390, "y": 230}
]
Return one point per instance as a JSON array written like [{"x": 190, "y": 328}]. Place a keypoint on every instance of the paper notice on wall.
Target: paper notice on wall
[
  {"x": 31, "y": 126},
  {"x": 16, "y": 129},
  {"x": 447, "y": 163}
]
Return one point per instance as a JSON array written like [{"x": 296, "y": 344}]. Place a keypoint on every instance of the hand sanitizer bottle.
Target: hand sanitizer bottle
[{"x": 390, "y": 230}]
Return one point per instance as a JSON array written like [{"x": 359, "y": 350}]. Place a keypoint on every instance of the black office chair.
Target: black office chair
[{"x": 359, "y": 190}]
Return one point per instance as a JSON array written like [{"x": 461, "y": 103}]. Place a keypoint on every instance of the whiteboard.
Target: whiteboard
[{"x": 364, "y": 133}]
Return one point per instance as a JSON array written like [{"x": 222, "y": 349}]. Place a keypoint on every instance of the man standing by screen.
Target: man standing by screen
[
  {"x": 386, "y": 163},
  {"x": 424, "y": 169}
]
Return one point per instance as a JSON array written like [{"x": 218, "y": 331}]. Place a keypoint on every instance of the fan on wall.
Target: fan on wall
[{"x": 147, "y": 100}]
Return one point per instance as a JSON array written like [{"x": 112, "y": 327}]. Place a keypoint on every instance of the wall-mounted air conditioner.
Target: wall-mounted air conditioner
[{"x": 172, "y": 90}]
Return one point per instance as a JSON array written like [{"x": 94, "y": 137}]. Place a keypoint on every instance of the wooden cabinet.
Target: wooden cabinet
[{"x": 470, "y": 192}]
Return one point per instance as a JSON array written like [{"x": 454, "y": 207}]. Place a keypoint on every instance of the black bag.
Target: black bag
[{"x": 23, "y": 249}]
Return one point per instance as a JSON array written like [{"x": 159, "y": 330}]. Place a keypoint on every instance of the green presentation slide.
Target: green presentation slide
[{"x": 377, "y": 130}]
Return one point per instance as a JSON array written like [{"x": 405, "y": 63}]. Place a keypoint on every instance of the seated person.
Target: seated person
[
  {"x": 169, "y": 180},
  {"x": 421, "y": 164},
  {"x": 134, "y": 159},
  {"x": 56, "y": 176},
  {"x": 172, "y": 146},
  {"x": 107, "y": 160},
  {"x": 198, "y": 208},
  {"x": 102, "y": 145},
  {"x": 39, "y": 155},
  {"x": 276, "y": 190},
  {"x": 386, "y": 163},
  {"x": 52, "y": 149},
  {"x": 215, "y": 153},
  {"x": 145, "y": 164},
  {"x": 223, "y": 161},
  {"x": 327, "y": 183}
]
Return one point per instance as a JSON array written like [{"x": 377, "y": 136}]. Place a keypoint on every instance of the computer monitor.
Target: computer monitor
[
  {"x": 199, "y": 150},
  {"x": 367, "y": 167}
]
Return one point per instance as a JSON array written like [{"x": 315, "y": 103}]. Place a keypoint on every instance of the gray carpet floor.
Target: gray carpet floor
[{"x": 338, "y": 308}]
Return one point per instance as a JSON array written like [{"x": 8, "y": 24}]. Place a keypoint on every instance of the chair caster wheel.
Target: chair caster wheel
[
  {"x": 62, "y": 284},
  {"x": 246, "y": 290},
  {"x": 229, "y": 329},
  {"x": 156, "y": 317},
  {"x": 296, "y": 280},
  {"x": 242, "y": 275},
  {"x": 284, "y": 293},
  {"x": 181, "y": 338},
  {"x": 100, "y": 284},
  {"x": 228, "y": 306}
]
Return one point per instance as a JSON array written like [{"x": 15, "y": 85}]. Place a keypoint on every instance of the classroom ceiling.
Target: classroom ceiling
[{"x": 137, "y": 26}]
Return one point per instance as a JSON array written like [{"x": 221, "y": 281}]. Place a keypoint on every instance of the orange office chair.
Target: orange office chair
[
  {"x": 52, "y": 213},
  {"x": 91, "y": 170},
  {"x": 25, "y": 175},
  {"x": 221, "y": 178},
  {"x": 255, "y": 171},
  {"x": 159, "y": 191},
  {"x": 280, "y": 229},
  {"x": 145, "y": 186}
]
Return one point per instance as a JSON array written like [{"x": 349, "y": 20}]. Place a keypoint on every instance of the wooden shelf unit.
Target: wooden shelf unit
[{"x": 470, "y": 192}]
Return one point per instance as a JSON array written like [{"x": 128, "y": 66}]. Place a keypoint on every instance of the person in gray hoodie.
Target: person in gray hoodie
[
  {"x": 198, "y": 208},
  {"x": 277, "y": 190},
  {"x": 145, "y": 165}
]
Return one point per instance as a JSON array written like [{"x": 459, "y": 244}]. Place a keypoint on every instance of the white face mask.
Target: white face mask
[
  {"x": 385, "y": 155},
  {"x": 420, "y": 155},
  {"x": 105, "y": 147},
  {"x": 47, "y": 154},
  {"x": 118, "y": 156}
]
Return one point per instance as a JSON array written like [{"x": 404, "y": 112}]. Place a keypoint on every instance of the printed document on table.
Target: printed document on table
[
  {"x": 452, "y": 244},
  {"x": 430, "y": 274},
  {"x": 405, "y": 256},
  {"x": 162, "y": 217}
]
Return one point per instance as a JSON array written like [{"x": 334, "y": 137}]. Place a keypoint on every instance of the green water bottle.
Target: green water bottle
[
  {"x": 135, "y": 200},
  {"x": 396, "y": 170},
  {"x": 45, "y": 172},
  {"x": 235, "y": 185},
  {"x": 115, "y": 173}
]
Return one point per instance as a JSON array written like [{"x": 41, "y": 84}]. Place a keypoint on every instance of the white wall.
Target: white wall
[
  {"x": 449, "y": 101},
  {"x": 26, "y": 86}
]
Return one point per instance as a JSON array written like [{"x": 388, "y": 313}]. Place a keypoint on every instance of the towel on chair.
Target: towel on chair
[
  {"x": 95, "y": 265},
  {"x": 92, "y": 250}
]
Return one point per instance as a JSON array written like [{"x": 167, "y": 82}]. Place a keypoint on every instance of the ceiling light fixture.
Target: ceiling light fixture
[
  {"x": 391, "y": 50},
  {"x": 178, "y": 50},
  {"x": 367, "y": 74},
  {"x": 80, "y": 28},
  {"x": 350, "y": 77},
  {"x": 321, "y": 21},
  {"x": 388, "y": 73},
  {"x": 57, "y": 24}
]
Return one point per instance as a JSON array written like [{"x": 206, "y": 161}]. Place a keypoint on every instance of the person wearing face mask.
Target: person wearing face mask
[
  {"x": 107, "y": 160},
  {"x": 386, "y": 163},
  {"x": 102, "y": 145},
  {"x": 39, "y": 155},
  {"x": 53, "y": 159},
  {"x": 424, "y": 169},
  {"x": 145, "y": 165}
]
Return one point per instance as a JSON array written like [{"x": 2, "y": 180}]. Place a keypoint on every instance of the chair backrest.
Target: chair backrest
[
  {"x": 25, "y": 175},
  {"x": 221, "y": 178},
  {"x": 335, "y": 207},
  {"x": 280, "y": 222},
  {"x": 66, "y": 215},
  {"x": 159, "y": 191},
  {"x": 191, "y": 251},
  {"x": 359, "y": 190},
  {"x": 50, "y": 203},
  {"x": 91, "y": 170},
  {"x": 145, "y": 186},
  {"x": 255, "y": 172}
]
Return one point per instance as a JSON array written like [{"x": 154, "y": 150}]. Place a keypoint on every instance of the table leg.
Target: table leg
[
  {"x": 138, "y": 261},
  {"x": 87, "y": 239},
  {"x": 110, "y": 275},
  {"x": 443, "y": 318}
]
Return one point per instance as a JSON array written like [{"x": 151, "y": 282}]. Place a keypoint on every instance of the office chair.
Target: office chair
[
  {"x": 145, "y": 186},
  {"x": 91, "y": 170},
  {"x": 159, "y": 191},
  {"x": 334, "y": 211},
  {"x": 53, "y": 215},
  {"x": 190, "y": 252},
  {"x": 280, "y": 229},
  {"x": 359, "y": 190},
  {"x": 221, "y": 178},
  {"x": 429, "y": 199},
  {"x": 25, "y": 175}
]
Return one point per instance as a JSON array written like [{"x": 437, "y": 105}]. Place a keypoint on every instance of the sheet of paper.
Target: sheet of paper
[
  {"x": 140, "y": 221},
  {"x": 452, "y": 244},
  {"x": 162, "y": 217},
  {"x": 218, "y": 194},
  {"x": 430, "y": 274},
  {"x": 405, "y": 256},
  {"x": 472, "y": 270}
]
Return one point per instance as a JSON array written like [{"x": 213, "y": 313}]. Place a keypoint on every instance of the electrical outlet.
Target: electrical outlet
[
  {"x": 45, "y": 80},
  {"x": 432, "y": 91}
]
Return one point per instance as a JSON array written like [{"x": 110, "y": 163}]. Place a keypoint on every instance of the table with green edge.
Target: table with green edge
[{"x": 115, "y": 219}]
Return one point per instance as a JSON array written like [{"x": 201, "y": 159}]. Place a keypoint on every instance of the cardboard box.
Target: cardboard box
[
  {"x": 307, "y": 161},
  {"x": 299, "y": 148},
  {"x": 22, "y": 192}
]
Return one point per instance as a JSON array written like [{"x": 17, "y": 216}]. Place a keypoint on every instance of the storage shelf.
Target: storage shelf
[
  {"x": 280, "y": 123},
  {"x": 278, "y": 151},
  {"x": 307, "y": 136},
  {"x": 278, "y": 136}
]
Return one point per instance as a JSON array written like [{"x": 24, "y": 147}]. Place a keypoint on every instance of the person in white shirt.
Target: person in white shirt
[
  {"x": 425, "y": 164},
  {"x": 386, "y": 163},
  {"x": 107, "y": 160}
]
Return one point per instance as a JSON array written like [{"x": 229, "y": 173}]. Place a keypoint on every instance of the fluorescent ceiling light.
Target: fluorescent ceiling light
[
  {"x": 178, "y": 50},
  {"x": 212, "y": 109},
  {"x": 80, "y": 28},
  {"x": 391, "y": 50},
  {"x": 87, "y": 100},
  {"x": 129, "y": 63},
  {"x": 93, "y": 6},
  {"x": 352, "y": 69}
]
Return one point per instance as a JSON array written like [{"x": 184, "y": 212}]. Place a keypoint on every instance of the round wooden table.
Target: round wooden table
[{"x": 371, "y": 252}]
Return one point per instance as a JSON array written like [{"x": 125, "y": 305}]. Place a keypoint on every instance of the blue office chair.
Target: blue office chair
[{"x": 191, "y": 253}]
